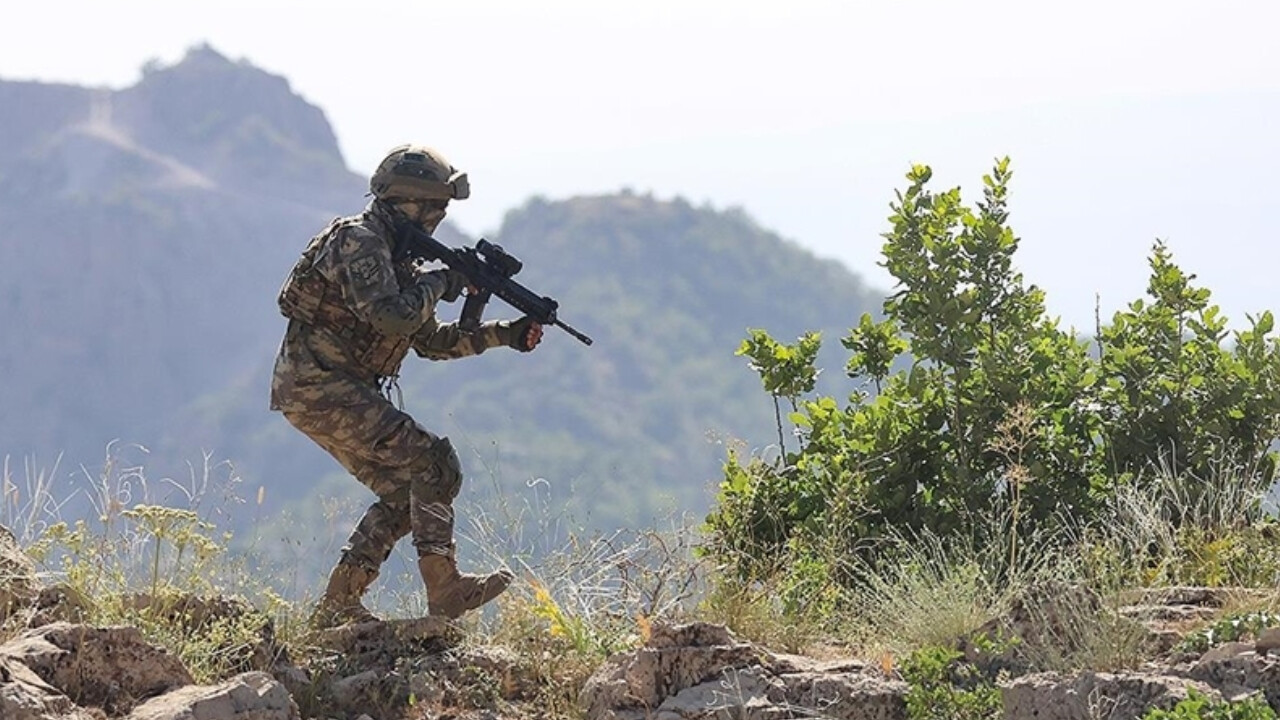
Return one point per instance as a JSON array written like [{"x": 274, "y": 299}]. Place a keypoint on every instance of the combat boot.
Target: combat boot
[
  {"x": 451, "y": 593},
  {"x": 341, "y": 601}
]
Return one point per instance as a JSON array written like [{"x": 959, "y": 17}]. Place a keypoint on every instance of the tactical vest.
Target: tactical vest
[{"x": 312, "y": 299}]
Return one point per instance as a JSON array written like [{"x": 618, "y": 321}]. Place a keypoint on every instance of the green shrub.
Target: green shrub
[
  {"x": 943, "y": 687},
  {"x": 1229, "y": 629},
  {"x": 996, "y": 407},
  {"x": 1198, "y": 707}
]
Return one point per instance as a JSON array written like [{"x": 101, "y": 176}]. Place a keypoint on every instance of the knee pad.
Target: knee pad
[{"x": 448, "y": 469}]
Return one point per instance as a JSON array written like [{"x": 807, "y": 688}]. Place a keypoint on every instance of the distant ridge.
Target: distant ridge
[{"x": 145, "y": 232}]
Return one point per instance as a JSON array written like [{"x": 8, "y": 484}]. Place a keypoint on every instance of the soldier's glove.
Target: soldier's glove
[
  {"x": 446, "y": 283},
  {"x": 523, "y": 334}
]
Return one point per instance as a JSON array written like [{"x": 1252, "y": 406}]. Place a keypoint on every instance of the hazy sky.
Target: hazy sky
[{"x": 1126, "y": 121}]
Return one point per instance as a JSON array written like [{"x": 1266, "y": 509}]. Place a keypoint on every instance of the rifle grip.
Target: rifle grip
[{"x": 473, "y": 311}]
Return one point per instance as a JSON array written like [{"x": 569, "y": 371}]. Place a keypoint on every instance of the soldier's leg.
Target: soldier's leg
[
  {"x": 375, "y": 534},
  {"x": 432, "y": 492},
  {"x": 388, "y": 451},
  {"x": 368, "y": 547}
]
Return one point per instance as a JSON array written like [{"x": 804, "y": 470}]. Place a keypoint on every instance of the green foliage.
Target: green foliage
[
  {"x": 1000, "y": 409},
  {"x": 788, "y": 371},
  {"x": 1199, "y": 707},
  {"x": 1174, "y": 394},
  {"x": 1229, "y": 629},
  {"x": 944, "y": 687}
]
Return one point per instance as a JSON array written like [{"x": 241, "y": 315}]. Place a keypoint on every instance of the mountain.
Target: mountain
[{"x": 144, "y": 233}]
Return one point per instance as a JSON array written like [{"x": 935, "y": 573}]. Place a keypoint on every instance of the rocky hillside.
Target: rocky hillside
[{"x": 181, "y": 656}]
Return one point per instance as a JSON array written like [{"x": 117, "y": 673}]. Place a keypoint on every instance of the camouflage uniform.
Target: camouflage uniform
[{"x": 354, "y": 315}]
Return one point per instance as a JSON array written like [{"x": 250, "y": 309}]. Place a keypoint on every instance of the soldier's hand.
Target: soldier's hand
[
  {"x": 449, "y": 282},
  {"x": 526, "y": 333}
]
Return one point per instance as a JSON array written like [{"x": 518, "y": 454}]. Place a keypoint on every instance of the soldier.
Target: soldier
[{"x": 354, "y": 314}]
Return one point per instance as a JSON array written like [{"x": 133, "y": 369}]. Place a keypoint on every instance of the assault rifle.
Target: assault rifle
[{"x": 488, "y": 269}]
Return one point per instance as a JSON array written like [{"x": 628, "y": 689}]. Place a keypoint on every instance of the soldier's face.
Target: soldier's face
[{"x": 428, "y": 214}]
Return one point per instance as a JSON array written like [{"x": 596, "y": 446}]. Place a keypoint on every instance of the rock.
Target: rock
[
  {"x": 1090, "y": 695},
  {"x": 1238, "y": 675},
  {"x": 645, "y": 678},
  {"x": 378, "y": 665},
  {"x": 1225, "y": 651},
  {"x": 390, "y": 637},
  {"x": 250, "y": 696},
  {"x": 473, "y": 678},
  {"x": 744, "y": 694},
  {"x": 699, "y": 672},
  {"x": 111, "y": 668},
  {"x": 1213, "y": 597},
  {"x": 846, "y": 695},
  {"x": 18, "y": 584},
  {"x": 59, "y": 603},
  {"x": 1267, "y": 641},
  {"x": 1169, "y": 613},
  {"x": 498, "y": 665},
  {"x": 24, "y": 696},
  {"x": 356, "y": 691}
]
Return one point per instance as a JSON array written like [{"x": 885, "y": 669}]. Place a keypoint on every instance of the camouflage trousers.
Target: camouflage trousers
[{"x": 415, "y": 474}]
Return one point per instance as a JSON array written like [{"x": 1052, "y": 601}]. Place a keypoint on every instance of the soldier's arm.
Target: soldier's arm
[
  {"x": 359, "y": 262},
  {"x": 444, "y": 341}
]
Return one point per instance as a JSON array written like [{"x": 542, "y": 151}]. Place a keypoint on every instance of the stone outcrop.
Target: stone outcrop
[
  {"x": 1236, "y": 671},
  {"x": 24, "y": 696},
  {"x": 700, "y": 672},
  {"x": 110, "y": 668},
  {"x": 1089, "y": 695},
  {"x": 251, "y": 696},
  {"x": 376, "y": 667},
  {"x": 79, "y": 672}
]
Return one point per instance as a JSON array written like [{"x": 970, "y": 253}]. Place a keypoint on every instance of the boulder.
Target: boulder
[
  {"x": 700, "y": 672},
  {"x": 675, "y": 658},
  {"x": 107, "y": 667},
  {"x": 250, "y": 696},
  {"x": 1091, "y": 695},
  {"x": 24, "y": 696},
  {"x": 390, "y": 637},
  {"x": 59, "y": 602},
  {"x": 1237, "y": 674},
  {"x": 1268, "y": 640}
]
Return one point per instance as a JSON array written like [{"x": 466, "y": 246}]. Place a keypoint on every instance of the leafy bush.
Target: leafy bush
[
  {"x": 1199, "y": 707},
  {"x": 1229, "y": 629},
  {"x": 996, "y": 407},
  {"x": 943, "y": 687}
]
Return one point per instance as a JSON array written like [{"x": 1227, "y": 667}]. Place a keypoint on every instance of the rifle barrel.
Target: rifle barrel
[{"x": 582, "y": 338}]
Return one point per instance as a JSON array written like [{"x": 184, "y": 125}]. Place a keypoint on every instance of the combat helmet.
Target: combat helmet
[{"x": 417, "y": 172}]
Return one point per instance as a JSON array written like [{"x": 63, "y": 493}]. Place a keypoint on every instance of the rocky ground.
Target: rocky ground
[{"x": 59, "y": 667}]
